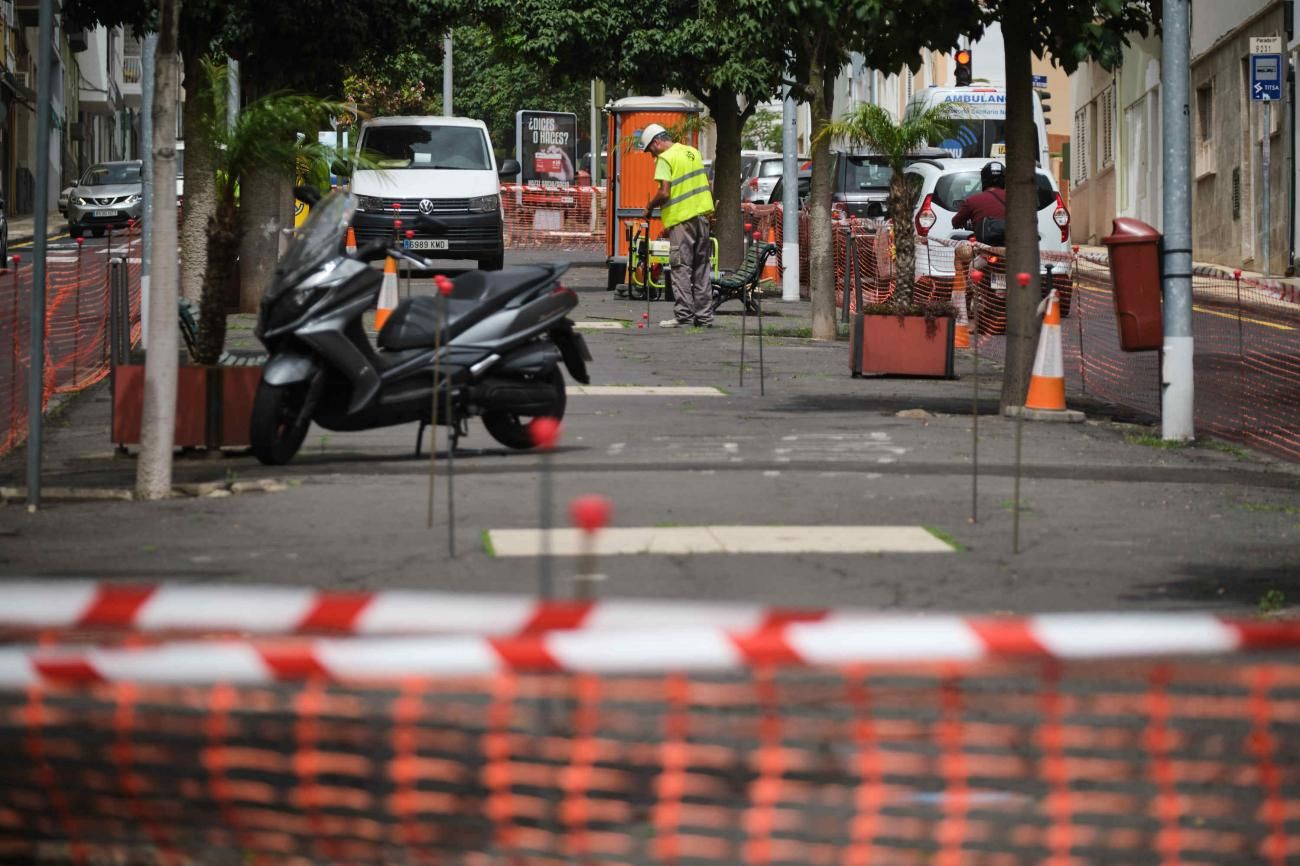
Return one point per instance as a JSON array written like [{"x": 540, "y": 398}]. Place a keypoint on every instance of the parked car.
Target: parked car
[
  {"x": 758, "y": 175},
  {"x": 943, "y": 184},
  {"x": 805, "y": 186},
  {"x": 109, "y": 195},
  {"x": 860, "y": 180}
]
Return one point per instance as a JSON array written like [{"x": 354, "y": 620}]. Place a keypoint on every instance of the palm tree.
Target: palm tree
[
  {"x": 263, "y": 136},
  {"x": 875, "y": 129}
]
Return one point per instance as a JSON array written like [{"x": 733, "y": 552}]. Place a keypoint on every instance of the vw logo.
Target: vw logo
[{"x": 426, "y": 206}]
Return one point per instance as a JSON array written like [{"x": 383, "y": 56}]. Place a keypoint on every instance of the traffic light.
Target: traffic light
[
  {"x": 1044, "y": 97},
  {"x": 961, "y": 74}
]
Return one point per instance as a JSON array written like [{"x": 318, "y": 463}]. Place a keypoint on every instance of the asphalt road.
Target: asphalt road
[{"x": 1106, "y": 522}]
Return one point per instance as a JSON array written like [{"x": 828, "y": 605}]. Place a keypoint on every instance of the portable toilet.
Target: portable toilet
[{"x": 631, "y": 171}]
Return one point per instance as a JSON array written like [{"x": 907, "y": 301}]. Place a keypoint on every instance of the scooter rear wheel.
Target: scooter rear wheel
[
  {"x": 511, "y": 430},
  {"x": 275, "y": 431}
]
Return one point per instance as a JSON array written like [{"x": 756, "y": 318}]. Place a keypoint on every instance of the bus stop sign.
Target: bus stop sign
[{"x": 1266, "y": 77}]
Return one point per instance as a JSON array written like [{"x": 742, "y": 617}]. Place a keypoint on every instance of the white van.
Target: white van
[
  {"x": 442, "y": 167},
  {"x": 980, "y": 126}
]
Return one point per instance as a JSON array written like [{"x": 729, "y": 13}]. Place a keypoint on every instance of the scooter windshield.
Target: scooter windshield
[{"x": 319, "y": 239}]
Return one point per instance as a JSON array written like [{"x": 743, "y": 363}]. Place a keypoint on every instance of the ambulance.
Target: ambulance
[{"x": 979, "y": 127}]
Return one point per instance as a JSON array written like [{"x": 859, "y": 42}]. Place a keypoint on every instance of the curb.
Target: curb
[{"x": 1060, "y": 416}]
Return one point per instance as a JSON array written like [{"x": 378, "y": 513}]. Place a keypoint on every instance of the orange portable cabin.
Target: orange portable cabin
[{"x": 631, "y": 171}]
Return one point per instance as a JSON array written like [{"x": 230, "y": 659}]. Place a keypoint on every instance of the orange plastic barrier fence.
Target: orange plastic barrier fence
[
  {"x": 77, "y": 324},
  {"x": 566, "y": 217},
  {"x": 992, "y": 764}
]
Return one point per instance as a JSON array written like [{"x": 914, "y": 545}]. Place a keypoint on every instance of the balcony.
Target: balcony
[{"x": 132, "y": 75}]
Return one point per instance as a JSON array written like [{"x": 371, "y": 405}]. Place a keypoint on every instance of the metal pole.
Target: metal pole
[
  {"x": 36, "y": 367},
  {"x": 232, "y": 93},
  {"x": 149, "y": 48},
  {"x": 1264, "y": 148},
  {"x": 595, "y": 139},
  {"x": 789, "y": 200},
  {"x": 1177, "y": 420},
  {"x": 446, "y": 76}
]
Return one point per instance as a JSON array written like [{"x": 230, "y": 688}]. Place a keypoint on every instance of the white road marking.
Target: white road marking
[
  {"x": 645, "y": 391},
  {"x": 682, "y": 540},
  {"x": 599, "y": 326}
]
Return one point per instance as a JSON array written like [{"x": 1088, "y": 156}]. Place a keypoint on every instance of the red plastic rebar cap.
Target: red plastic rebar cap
[
  {"x": 758, "y": 236},
  {"x": 397, "y": 224},
  {"x": 590, "y": 512},
  {"x": 1023, "y": 279},
  {"x": 1236, "y": 274},
  {"x": 544, "y": 432},
  {"x": 749, "y": 227},
  {"x": 977, "y": 275},
  {"x": 443, "y": 284},
  {"x": 80, "y": 241},
  {"x": 410, "y": 233}
]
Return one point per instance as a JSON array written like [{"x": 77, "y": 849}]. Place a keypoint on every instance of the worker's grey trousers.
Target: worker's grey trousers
[{"x": 689, "y": 257}]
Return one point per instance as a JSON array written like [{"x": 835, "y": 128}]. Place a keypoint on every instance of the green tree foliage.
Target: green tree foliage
[
  {"x": 1072, "y": 32},
  {"x": 385, "y": 84},
  {"x": 874, "y": 128},
  {"x": 762, "y": 131}
]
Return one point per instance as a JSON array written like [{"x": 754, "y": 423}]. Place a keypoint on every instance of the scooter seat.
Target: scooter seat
[
  {"x": 413, "y": 324},
  {"x": 480, "y": 285}
]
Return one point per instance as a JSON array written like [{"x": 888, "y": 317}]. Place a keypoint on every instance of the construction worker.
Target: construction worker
[{"x": 685, "y": 207}]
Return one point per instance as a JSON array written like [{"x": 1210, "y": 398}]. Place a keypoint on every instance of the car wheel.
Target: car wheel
[
  {"x": 495, "y": 263},
  {"x": 276, "y": 428},
  {"x": 98, "y": 231}
]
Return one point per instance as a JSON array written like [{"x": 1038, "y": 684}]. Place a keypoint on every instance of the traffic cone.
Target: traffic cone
[
  {"x": 1047, "y": 385},
  {"x": 351, "y": 243},
  {"x": 961, "y": 327},
  {"x": 770, "y": 270},
  {"x": 387, "y": 293}
]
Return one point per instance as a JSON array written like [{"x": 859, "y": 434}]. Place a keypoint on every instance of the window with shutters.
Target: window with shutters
[
  {"x": 1106, "y": 124},
  {"x": 1080, "y": 145},
  {"x": 1205, "y": 158}
]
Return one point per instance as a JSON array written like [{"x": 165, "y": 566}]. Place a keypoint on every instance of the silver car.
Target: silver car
[{"x": 109, "y": 195}]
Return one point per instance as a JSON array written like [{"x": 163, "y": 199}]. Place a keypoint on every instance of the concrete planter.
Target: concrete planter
[
  {"x": 896, "y": 345},
  {"x": 213, "y": 405}
]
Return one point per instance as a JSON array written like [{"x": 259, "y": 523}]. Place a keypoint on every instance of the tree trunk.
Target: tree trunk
[
  {"x": 158, "y": 414},
  {"x": 821, "y": 244},
  {"x": 222, "y": 242},
  {"x": 259, "y": 212},
  {"x": 1022, "y": 208},
  {"x": 200, "y": 184},
  {"x": 900, "y": 213},
  {"x": 726, "y": 180}
]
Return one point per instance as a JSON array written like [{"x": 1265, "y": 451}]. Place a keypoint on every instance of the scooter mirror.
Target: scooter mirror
[{"x": 308, "y": 195}]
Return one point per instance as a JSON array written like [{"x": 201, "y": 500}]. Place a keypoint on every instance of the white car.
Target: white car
[
  {"x": 942, "y": 184},
  {"x": 759, "y": 172}
]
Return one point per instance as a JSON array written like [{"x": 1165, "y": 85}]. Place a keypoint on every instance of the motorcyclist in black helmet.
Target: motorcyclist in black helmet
[{"x": 985, "y": 213}]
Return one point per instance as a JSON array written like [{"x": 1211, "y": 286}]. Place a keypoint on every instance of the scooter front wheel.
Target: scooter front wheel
[
  {"x": 511, "y": 430},
  {"x": 277, "y": 428}
]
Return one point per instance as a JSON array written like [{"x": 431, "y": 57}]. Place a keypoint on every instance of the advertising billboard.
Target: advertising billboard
[{"x": 546, "y": 146}]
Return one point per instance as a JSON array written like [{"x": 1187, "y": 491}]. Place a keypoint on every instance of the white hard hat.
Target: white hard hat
[{"x": 650, "y": 133}]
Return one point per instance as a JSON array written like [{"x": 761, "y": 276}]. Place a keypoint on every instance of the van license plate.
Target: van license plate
[
  {"x": 425, "y": 244},
  {"x": 105, "y": 213}
]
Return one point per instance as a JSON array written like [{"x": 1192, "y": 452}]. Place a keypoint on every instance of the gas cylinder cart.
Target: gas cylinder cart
[{"x": 648, "y": 267}]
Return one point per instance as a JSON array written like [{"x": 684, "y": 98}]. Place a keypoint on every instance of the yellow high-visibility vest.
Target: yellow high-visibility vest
[{"x": 689, "y": 194}]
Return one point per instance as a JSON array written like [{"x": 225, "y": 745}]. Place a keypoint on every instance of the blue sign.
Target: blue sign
[
  {"x": 1266, "y": 77},
  {"x": 1040, "y": 81}
]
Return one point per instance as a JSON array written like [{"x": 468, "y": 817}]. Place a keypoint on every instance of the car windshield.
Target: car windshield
[
  {"x": 445, "y": 147},
  {"x": 952, "y": 189},
  {"x": 317, "y": 240},
  {"x": 109, "y": 175},
  {"x": 862, "y": 172}
]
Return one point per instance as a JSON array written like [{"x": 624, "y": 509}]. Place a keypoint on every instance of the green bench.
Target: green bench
[
  {"x": 742, "y": 283},
  {"x": 189, "y": 323}
]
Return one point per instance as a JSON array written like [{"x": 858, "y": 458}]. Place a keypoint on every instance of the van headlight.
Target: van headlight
[
  {"x": 369, "y": 203},
  {"x": 484, "y": 204}
]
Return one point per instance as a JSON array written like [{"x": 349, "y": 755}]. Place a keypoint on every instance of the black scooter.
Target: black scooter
[{"x": 503, "y": 335}]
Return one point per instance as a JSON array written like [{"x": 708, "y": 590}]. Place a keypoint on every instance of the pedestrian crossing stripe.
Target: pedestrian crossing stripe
[
  {"x": 688, "y": 540},
  {"x": 645, "y": 391}
]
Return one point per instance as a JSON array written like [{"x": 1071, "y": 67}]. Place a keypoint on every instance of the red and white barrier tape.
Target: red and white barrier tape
[
  {"x": 291, "y": 610},
  {"x": 879, "y": 640}
]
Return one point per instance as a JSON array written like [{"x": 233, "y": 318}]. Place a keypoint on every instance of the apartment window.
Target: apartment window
[
  {"x": 1205, "y": 111},
  {"x": 1080, "y": 145}
]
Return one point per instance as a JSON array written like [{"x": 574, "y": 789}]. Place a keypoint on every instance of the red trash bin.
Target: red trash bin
[{"x": 1134, "y": 250}]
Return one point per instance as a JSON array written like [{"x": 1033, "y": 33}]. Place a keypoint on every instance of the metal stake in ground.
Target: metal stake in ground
[
  {"x": 1023, "y": 279},
  {"x": 440, "y": 319},
  {"x": 1078, "y": 317},
  {"x": 453, "y": 431},
  {"x": 545, "y": 432},
  {"x": 1241, "y": 356},
  {"x": 975, "y": 277},
  {"x": 409, "y": 236},
  {"x": 758, "y": 309},
  {"x": 590, "y": 514}
]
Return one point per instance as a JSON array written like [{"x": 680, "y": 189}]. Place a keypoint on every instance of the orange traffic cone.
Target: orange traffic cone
[
  {"x": 387, "y": 293},
  {"x": 351, "y": 244},
  {"x": 961, "y": 327},
  {"x": 1047, "y": 385},
  {"x": 770, "y": 270}
]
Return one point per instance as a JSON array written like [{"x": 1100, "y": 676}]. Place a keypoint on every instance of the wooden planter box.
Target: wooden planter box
[
  {"x": 901, "y": 345},
  {"x": 213, "y": 404}
]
